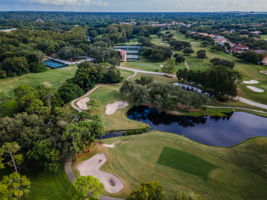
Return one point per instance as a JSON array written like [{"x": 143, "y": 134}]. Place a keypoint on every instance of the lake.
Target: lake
[{"x": 226, "y": 131}]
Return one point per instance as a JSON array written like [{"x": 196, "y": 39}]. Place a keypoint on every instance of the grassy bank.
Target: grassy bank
[{"x": 180, "y": 164}]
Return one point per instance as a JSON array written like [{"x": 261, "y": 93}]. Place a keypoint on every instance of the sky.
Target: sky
[{"x": 134, "y": 5}]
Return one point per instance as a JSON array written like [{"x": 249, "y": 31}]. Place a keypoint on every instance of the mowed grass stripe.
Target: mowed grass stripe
[{"x": 185, "y": 162}]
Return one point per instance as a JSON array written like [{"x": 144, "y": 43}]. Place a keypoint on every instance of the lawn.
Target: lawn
[
  {"x": 148, "y": 65},
  {"x": 118, "y": 121},
  {"x": 49, "y": 186},
  {"x": 231, "y": 173},
  {"x": 56, "y": 77}
]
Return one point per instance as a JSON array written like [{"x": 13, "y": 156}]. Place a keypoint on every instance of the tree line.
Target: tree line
[{"x": 160, "y": 96}]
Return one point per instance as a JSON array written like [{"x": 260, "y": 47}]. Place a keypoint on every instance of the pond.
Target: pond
[{"x": 226, "y": 131}]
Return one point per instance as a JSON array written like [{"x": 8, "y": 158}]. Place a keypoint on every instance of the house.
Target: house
[
  {"x": 221, "y": 40},
  {"x": 238, "y": 48},
  {"x": 264, "y": 60}
]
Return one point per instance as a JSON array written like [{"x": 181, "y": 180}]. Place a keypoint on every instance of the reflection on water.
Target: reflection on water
[{"x": 224, "y": 131}]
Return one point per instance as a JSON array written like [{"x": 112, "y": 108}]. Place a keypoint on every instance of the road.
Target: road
[{"x": 246, "y": 101}]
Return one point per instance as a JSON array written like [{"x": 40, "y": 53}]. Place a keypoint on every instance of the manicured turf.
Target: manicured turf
[
  {"x": 186, "y": 162},
  {"x": 49, "y": 186},
  {"x": 240, "y": 172},
  {"x": 56, "y": 77},
  {"x": 118, "y": 121},
  {"x": 149, "y": 66}
]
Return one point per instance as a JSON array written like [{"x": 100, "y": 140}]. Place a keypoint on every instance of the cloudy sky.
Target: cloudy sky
[{"x": 135, "y": 5}]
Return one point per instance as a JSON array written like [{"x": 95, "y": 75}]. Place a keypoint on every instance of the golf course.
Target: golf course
[{"x": 180, "y": 164}]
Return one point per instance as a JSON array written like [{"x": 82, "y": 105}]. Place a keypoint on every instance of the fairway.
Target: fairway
[
  {"x": 56, "y": 77},
  {"x": 186, "y": 162},
  {"x": 235, "y": 173}
]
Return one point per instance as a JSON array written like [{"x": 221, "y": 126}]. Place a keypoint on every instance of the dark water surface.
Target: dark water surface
[{"x": 216, "y": 131}]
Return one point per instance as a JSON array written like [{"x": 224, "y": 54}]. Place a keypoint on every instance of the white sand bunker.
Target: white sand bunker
[
  {"x": 251, "y": 82},
  {"x": 263, "y": 72},
  {"x": 82, "y": 103},
  {"x": 108, "y": 145},
  {"x": 91, "y": 167},
  {"x": 113, "y": 107},
  {"x": 254, "y": 89}
]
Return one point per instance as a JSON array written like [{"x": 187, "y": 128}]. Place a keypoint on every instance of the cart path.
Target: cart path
[{"x": 246, "y": 101}]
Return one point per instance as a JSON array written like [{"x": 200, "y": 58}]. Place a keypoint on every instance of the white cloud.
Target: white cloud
[{"x": 71, "y": 2}]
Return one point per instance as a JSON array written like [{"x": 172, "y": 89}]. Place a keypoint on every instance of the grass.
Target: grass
[
  {"x": 49, "y": 186},
  {"x": 56, "y": 77},
  {"x": 148, "y": 65},
  {"x": 239, "y": 174},
  {"x": 118, "y": 121},
  {"x": 248, "y": 71},
  {"x": 185, "y": 162},
  {"x": 157, "y": 78}
]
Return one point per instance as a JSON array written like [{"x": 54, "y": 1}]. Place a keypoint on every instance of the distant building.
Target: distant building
[
  {"x": 264, "y": 60},
  {"x": 8, "y": 30},
  {"x": 129, "y": 53},
  {"x": 238, "y": 48},
  {"x": 260, "y": 51}
]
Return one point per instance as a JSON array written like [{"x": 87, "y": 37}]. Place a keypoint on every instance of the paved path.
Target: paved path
[
  {"x": 186, "y": 65},
  {"x": 238, "y": 108},
  {"x": 146, "y": 72},
  {"x": 252, "y": 103},
  {"x": 73, "y": 102},
  {"x": 246, "y": 101}
]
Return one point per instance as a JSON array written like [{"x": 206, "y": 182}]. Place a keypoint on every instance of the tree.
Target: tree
[
  {"x": 169, "y": 67},
  {"x": 179, "y": 58},
  {"x": 69, "y": 91},
  {"x": 44, "y": 152},
  {"x": 15, "y": 66},
  {"x": 251, "y": 57},
  {"x": 87, "y": 187},
  {"x": 222, "y": 62},
  {"x": 147, "y": 191},
  {"x": 14, "y": 186},
  {"x": 10, "y": 150},
  {"x": 144, "y": 80},
  {"x": 188, "y": 51},
  {"x": 201, "y": 54}
]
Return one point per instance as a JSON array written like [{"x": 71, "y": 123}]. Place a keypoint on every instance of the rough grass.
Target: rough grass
[
  {"x": 240, "y": 175},
  {"x": 56, "y": 77},
  {"x": 186, "y": 162}
]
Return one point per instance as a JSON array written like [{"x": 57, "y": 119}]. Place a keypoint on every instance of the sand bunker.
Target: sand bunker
[
  {"x": 82, "y": 103},
  {"x": 91, "y": 167},
  {"x": 108, "y": 145},
  {"x": 251, "y": 82},
  {"x": 263, "y": 72},
  {"x": 113, "y": 107},
  {"x": 254, "y": 89}
]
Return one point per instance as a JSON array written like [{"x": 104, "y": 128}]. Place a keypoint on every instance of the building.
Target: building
[
  {"x": 264, "y": 60},
  {"x": 129, "y": 53}
]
